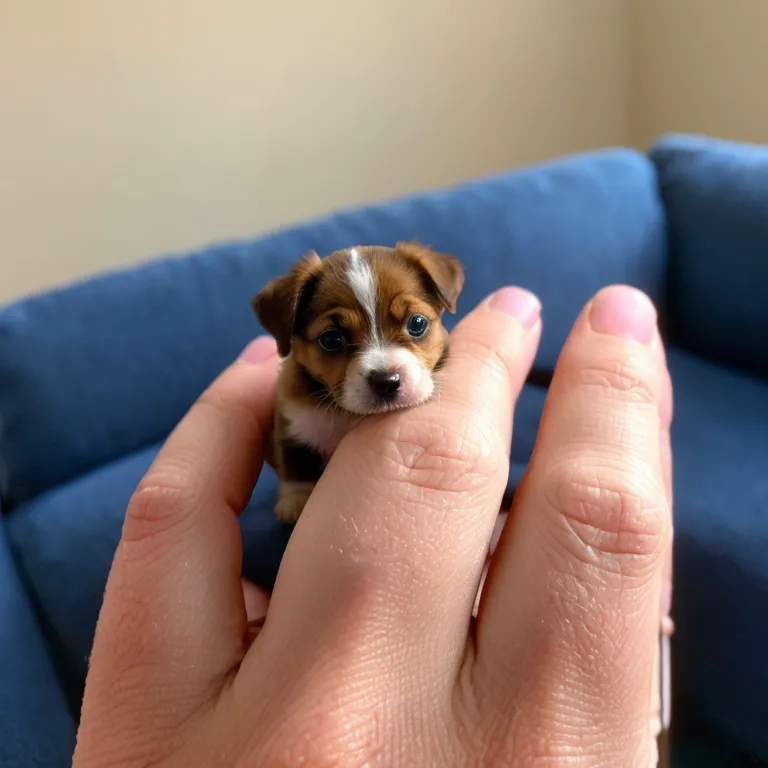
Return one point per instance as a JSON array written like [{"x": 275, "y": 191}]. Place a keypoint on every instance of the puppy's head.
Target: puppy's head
[{"x": 364, "y": 324}]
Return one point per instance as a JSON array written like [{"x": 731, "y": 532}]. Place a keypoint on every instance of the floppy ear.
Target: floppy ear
[
  {"x": 276, "y": 304},
  {"x": 444, "y": 271}
]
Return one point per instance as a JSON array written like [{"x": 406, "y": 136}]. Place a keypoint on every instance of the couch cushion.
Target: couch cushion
[
  {"x": 716, "y": 195},
  {"x": 704, "y": 755},
  {"x": 36, "y": 725},
  {"x": 104, "y": 368},
  {"x": 64, "y": 541},
  {"x": 721, "y": 570}
]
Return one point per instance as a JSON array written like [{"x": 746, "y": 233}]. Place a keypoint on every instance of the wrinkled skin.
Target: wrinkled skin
[{"x": 369, "y": 655}]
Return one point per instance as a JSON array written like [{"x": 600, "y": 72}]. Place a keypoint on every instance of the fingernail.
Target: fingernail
[
  {"x": 624, "y": 311},
  {"x": 519, "y": 303},
  {"x": 259, "y": 350},
  {"x": 666, "y": 597}
]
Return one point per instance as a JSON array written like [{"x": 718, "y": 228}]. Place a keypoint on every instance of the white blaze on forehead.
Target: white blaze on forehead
[
  {"x": 416, "y": 384},
  {"x": 363, "y": 285}
]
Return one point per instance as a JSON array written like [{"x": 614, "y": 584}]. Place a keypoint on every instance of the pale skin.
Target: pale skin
[{"x": 369, "y": 655}]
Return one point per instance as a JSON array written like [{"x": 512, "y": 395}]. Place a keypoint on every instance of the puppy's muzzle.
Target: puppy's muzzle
[{"x": 384, "y": 384}]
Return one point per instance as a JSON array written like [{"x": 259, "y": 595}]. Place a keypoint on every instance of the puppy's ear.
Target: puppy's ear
[
  {"x": 276, "y": 304},
  {"x": 444, "y": 271}
]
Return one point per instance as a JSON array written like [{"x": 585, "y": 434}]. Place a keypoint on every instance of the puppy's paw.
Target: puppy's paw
[{"x": 290, "y": 505}]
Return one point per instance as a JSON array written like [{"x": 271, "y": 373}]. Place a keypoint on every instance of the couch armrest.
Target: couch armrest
[{"x": 716, "y": 196}]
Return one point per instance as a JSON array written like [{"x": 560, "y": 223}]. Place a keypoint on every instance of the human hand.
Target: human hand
[{"x": 369, "y": 654}]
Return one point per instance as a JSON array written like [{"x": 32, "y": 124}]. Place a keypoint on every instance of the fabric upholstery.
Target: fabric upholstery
[
  {"x": 104, "y": 368},
  {"x": 716, "y": 196},
  {"x": 36, "y": 725},
  {"x": 720, "y": 450}
]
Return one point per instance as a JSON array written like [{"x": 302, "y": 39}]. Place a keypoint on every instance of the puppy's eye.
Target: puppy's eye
[
  {"x": 417, "y": 326},
  {"x": 331, "y": 340}
]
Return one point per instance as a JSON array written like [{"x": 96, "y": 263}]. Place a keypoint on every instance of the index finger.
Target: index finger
[
  {"x": 404, "y": 536},
  {"x": 173, "y": 617}
]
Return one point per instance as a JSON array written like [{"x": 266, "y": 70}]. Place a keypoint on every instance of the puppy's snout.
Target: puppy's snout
[{"x": 385, "y": 384}]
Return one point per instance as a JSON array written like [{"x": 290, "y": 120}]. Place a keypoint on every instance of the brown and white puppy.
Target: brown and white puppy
[{"x": 360, "y": 332}]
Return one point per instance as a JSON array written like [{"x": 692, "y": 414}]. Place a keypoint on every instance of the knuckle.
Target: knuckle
[
  {"x": 428, "y": 456},
  {"x": 218, "y": 398},
  {"x": 318, "y": 734},
  {"x": 320, "y": 750},
  {"x": 157, "y": 506},
  {"x": 337, "y": 728},
  {"x": 489, "y": 352},
  {"x": 616, "y": 511},
  {"x": 623, "y": 378},
  {"x": 226, "y": 403}
]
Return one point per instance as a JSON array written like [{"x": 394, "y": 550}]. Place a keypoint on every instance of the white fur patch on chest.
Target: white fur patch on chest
[{"x": 318, "y": 428}]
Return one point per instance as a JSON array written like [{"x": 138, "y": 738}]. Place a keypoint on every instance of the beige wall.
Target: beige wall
[
  {"x": 702, "y": 67},
  {"x": 131, "y": 129}
]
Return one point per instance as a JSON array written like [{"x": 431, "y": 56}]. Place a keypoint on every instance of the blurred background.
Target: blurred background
[{"x": 137, "y": 129}]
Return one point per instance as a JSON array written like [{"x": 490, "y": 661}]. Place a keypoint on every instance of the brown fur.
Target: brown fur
[{"x": 316, "y": 295}]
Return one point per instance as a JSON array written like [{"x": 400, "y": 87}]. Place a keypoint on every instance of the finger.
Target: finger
[
  {"x": 173, "y": 618},
  {"x": 256, "y": 603},
  {"x": 569, "y": 619},
  {"x": 661, "y": 702},
  {"x": 495, "y": 536},
  {"x": 395, "y": 534},
  {"x": 666, "y": 412}
]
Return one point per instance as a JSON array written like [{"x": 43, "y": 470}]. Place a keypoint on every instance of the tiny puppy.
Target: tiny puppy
[{"x": 360, "y": 332}]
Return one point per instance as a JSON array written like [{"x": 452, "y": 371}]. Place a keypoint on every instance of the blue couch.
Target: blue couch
[{"x": 93, "y": 377}]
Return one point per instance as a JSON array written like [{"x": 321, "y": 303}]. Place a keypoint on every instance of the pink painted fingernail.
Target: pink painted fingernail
[
  {"x": 519, "y": 303},
  {"x": 259, "y": 350},
  {"x": 624, "y": 311}
]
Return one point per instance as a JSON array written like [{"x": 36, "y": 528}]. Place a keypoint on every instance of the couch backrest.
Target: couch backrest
[
  {"x": 716, "y": 196},
  {"x": 97, "y": 370}
]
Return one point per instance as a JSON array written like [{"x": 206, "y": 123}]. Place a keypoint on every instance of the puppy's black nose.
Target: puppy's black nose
[{"x": 384, "y": 383}]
